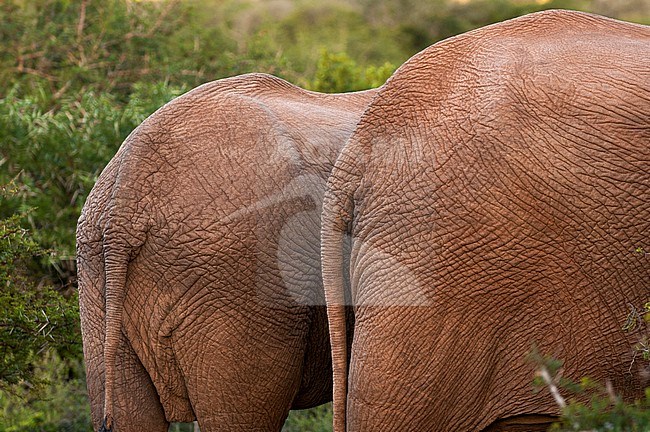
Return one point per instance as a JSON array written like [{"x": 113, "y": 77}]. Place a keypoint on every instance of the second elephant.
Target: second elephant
[
  {"x": 198, "y": 255},
  {"x": 497, "y": 197}
]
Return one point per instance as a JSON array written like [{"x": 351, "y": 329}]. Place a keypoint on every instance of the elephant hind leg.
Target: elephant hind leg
[
  {"x": 136, "y": 403},
  {"x": 522, "y": 423}
]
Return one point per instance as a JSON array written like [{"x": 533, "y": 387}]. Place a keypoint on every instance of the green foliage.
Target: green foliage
[
  {"x": 181, "y": 427},
  {"x": 31, "y": 318},
  {"x": 417, "y": 24},
  {"x": 54, "y": 400},
  {"x": 56, "y": 154},
  {"x": 74, "y": 45},
  {"x": 339, "y": 73},
  {"x": 317, "y": 419},
  {"x": 60, "y": 403},
  {"x": 306, "y": 28},
  {"x": 592, "y": 405},
  {"x": 605, "y": 412},
  {"x": 70, "y": 46}
]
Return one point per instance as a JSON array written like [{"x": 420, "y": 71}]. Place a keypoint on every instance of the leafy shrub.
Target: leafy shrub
[
  {"x": 32, "y": 318},
  {"x": 56, "y": 154},
  {"x": 71, "y": 46},
  {"x": 596, "y": 409},
  {"x": 605, "y": 412},
  {"x": 58, "y": 403},
  {"x": 339, "y": 73},
  {"x": 317, "y": 419}
]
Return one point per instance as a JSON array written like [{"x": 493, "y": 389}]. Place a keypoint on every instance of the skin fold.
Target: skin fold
[
  {"x": 496, "y": 194},
  {"x": 199, "y": 260}
]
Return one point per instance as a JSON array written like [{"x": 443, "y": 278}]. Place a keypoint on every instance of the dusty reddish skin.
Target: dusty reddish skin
[
  {"x": 495, "y": 192},
  {"x": 198, "y": 256}
]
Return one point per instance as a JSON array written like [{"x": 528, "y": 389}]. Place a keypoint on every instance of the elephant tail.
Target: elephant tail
[
  {"x": 124, "y": 234},
  {"x": 115, "y": 264},
  {"x": 337, "y": 211},
  {"x": 332, "y": 238}
]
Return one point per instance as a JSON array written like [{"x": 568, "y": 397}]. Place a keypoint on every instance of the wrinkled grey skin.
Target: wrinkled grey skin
[
  {"x": 198, "y": 257},
  {"x": 495, "y": 192}
]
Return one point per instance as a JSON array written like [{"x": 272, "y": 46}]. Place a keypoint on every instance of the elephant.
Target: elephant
[
  {"x": 496, "y": 197},
  {"x": 198, "y": 255}
]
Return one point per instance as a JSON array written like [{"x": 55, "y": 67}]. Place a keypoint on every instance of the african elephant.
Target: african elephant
[
  {"x": 495, "y": 192},
  {"x": 199, "y": 260}
]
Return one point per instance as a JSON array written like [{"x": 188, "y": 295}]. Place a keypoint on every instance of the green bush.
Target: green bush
[
  {"x": 71, "y": 46},
  {"x": 300, "y": 33},
  {"x": 59, "y": 402},
  {"x": 56, "y": 154},
  {"x": 32, "y": 318},
  {"x": 605, "y": 412},
  {"x": 591, "y": 406},
  {"x": 317, "y": 419},
  {"x": 339, "y": 73}
]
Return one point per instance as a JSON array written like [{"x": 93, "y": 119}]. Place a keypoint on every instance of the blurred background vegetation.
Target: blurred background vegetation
[{"x": 76, "y": 76}]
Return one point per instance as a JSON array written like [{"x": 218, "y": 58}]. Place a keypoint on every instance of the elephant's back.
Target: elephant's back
[
  {"x": 232, "y": 145},
  {"x": 312, "y": 126},
  {"x": 538, "y": 52},
  {"x": 552, "y": 99}
]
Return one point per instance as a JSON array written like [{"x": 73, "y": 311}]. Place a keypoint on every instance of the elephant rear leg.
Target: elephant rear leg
[
  {"x": 136, "y": 403},
  {"x": 242, "y": 379}
]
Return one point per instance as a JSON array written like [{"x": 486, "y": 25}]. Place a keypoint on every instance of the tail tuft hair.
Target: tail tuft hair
[{"x": 105, "y": 428}]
